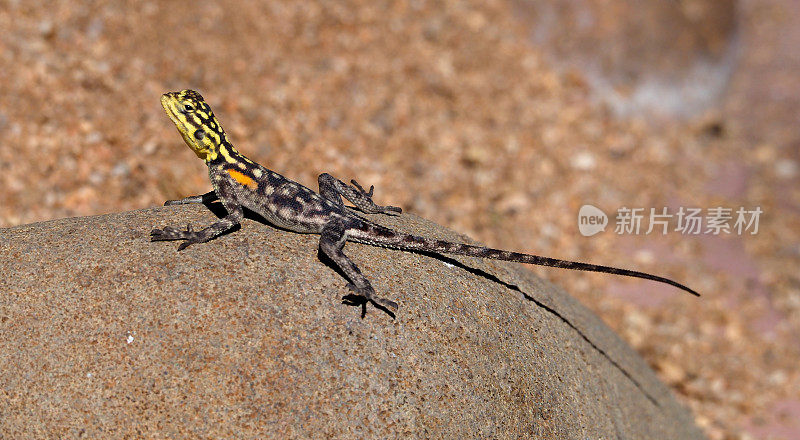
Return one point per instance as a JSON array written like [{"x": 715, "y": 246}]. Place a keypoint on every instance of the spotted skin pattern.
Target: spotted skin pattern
[{"x": 238, "y": 183}]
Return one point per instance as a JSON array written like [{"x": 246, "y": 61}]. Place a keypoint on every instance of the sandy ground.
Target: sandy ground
[{"x": 452, "y": 114}]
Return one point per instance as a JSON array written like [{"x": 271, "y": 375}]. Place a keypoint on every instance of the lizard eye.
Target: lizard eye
[
  {"x": 199, "y": 135},
  {"x": 188, "y": 107}
]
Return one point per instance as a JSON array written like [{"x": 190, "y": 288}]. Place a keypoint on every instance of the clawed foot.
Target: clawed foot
[
  {"x": 361, "y": 297},
  {"x": 375, "y": 209},
  {"x": 170, "y": 233}
]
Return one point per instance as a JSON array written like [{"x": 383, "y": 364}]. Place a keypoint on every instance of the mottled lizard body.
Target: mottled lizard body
[{"x": 239, "y": 182}]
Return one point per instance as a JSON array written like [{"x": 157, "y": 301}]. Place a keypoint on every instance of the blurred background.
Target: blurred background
[{"x": 497, "y": 118}]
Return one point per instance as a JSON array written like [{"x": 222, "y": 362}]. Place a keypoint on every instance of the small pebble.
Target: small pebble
[{"x": 583, "y": 161}]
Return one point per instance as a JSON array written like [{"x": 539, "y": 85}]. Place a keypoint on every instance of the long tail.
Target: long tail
[{"x": 374, "y": 234}]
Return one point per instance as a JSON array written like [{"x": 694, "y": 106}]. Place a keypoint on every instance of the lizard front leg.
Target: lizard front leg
[
  {"x": 334, "y": 189},
  {"x": 206, "y": 198},
  {"x": 234, "y": 217},
  {"x": 331, "y": 243}
]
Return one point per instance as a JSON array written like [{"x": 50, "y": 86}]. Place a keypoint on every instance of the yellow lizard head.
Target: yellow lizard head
[{"x": 195, "y": 121}]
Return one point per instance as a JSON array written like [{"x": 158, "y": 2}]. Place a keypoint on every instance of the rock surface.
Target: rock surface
[{"x": 104, "y": 334}]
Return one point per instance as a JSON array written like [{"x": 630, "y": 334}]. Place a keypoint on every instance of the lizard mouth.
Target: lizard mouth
[
  {"x": 168, "y": 102},
  {"x": 172, "y": 107}
]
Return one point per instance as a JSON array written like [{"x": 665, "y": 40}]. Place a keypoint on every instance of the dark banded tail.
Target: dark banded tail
[{"x": 378, "y": 235}]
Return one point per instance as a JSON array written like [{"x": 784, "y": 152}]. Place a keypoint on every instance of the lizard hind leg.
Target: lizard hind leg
[
  {"x": 334, "y": 189},
  {"x": 331, "y": 243}
]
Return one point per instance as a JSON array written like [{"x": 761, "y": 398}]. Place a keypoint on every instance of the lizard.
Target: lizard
[{"x": 239, "y": 182}]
